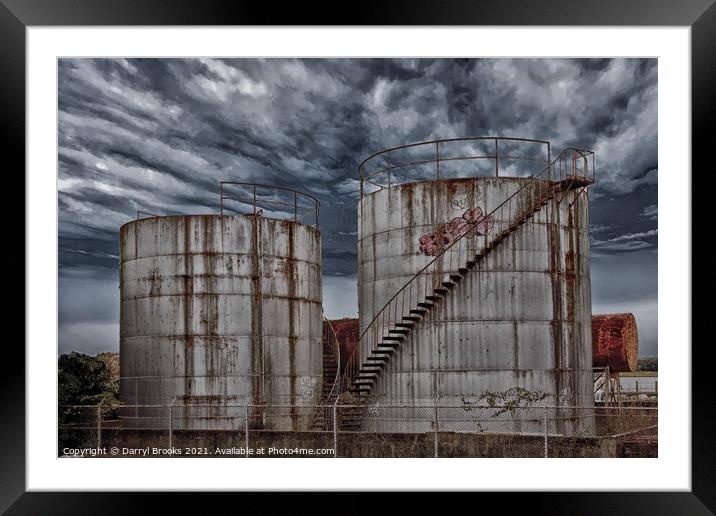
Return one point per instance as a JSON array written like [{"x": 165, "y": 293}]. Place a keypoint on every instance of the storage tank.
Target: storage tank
[
  {"x": 515, "y": 326},
  {"x": 615, "y": 342},
  {"x": 220, "y": 311}
]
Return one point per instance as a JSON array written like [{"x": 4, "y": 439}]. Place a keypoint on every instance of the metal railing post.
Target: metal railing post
[
  {"x": 437, "y": 158},
  {"x": 246, "y": 429},
  {"x": 546, "y": 453},
  {"x": 436, "y": 429},
  {"x": 171, "y": 407},
  {"x": 437, "y": 398},
  {"x": 99, "y": 425},
  {"x": 335, "y": 432}
]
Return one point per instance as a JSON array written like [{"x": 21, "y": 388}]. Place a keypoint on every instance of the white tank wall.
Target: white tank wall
[
  {"x": 221, "y": 311},
  {"x": 521, "y": 318}
]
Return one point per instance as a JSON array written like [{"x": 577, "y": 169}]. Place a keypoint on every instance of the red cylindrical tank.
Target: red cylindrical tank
[
  {"x": 347, "y": 333},
  {"x": 615, "y": 342}
]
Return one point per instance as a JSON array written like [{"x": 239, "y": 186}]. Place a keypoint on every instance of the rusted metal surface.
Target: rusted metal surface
[
  {"x": 520, "y": 318},
  {"x": 347, "y": 333},
  {"x": 221, "y": 309},
  {"x": 615, "y": 342}
]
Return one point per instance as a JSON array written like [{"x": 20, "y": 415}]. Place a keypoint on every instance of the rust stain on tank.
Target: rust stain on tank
[
  {"x": 408, "y": 207},
  {"x": 570, "y": 283},
  {"x": 188, "y": 310},
  {"x": 257, "y": 354},
  {"x": 553, "y": 244},
  {"x": 615, "y": 342},
  {"x": 290, "y": 277}
]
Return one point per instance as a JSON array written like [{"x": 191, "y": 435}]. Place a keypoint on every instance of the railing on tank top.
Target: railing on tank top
[
  {"x": 433, "y": 159},
  {"x": 285, "y": 203},
  {"x": 257, "y": 199},
  {"x": 571, "y": 164}
]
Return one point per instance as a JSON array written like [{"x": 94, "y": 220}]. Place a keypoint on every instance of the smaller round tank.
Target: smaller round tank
[
  {"x": 615, "y": 342},
  {"x": 348, "y": 335}
]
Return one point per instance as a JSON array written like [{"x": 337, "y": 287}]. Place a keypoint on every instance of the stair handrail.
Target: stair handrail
[
  {"x": 337, "y": 352},
  {"x": 563, "y": 175}
]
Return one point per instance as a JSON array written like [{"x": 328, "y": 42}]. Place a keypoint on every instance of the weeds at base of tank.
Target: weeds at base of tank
[{"x": 505, "y": 401}]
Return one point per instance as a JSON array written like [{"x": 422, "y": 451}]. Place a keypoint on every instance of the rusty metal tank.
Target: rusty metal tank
[
  {"x": 615, "y": 342},
  {"x": 521, "y": 319},
  {"x": 220, "y": 311}
]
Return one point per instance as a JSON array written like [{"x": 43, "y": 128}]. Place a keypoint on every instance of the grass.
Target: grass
[{"x": 641, "y": 373}]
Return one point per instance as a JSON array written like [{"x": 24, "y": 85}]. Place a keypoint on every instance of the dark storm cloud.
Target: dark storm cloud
[{"x": 159, "y": 134}]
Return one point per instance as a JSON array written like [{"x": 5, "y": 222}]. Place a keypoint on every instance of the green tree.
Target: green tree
[
  {"x": 84, "y": 380},
  {"x": 647, "y": 364}
]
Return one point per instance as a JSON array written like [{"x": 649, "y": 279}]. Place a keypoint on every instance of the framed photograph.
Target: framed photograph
[{"x": 435, "y": 248}]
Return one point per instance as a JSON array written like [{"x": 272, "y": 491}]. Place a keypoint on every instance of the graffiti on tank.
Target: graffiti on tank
[
  {"x": 472, "y": 220},
  {"x": 461, "y": 204},
  {"x": 308, "y": 386}
]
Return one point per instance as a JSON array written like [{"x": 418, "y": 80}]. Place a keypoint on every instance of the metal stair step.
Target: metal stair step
[
  {"x": 359, "y": 388},
  {"x": 405, "y": 325},
  {"x": 400, "y": 331},
  {"x": 393, "y": 337},
  {"x": 441, "y": 290},
  {"x": 456, "y": 277},
  {"x": 424, "y": 304},
  {"x": 412, "y": 317},
  {"x": 434, "y": 298}
]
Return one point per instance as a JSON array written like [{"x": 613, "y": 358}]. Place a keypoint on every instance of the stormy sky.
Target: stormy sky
[{"x": 159, "y": 134}]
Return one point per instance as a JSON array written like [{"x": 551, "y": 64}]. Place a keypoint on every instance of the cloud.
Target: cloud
[
  {"x": 650, "y": 212},
  {"x": 159, "y": 135}
]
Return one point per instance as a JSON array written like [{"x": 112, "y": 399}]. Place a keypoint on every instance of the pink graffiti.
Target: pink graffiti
[{"x": 472, "y": 220}]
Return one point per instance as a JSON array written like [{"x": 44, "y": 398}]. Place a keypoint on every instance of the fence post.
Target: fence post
[
  {"x": 335, "y": 432},
  {"x": 246, "y": 416},
  {"x": 171, "y": 406},
  {"x": 546, "y": 453},
  {"x": 99, "y": 426},
  {"x": 436, "y": 429}
]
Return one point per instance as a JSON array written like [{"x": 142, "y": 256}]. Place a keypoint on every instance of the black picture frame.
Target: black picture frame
[{"x": 16, "y": 15}]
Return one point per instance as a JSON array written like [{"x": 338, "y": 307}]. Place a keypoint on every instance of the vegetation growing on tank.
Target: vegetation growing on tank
[{"x": 505, "y": 401}]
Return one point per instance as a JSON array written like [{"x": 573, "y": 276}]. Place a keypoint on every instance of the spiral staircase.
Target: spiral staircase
[{"x": 434, "y": 283}]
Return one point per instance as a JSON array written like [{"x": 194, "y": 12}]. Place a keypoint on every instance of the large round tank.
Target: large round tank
[
  {"x": 218, "y": 312},
  {"x": 518, "y": 324},
  {"x": 615, "y": 342}
]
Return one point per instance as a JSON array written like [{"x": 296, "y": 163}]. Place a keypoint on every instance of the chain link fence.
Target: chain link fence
[{"x": 357, "y": 430}]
